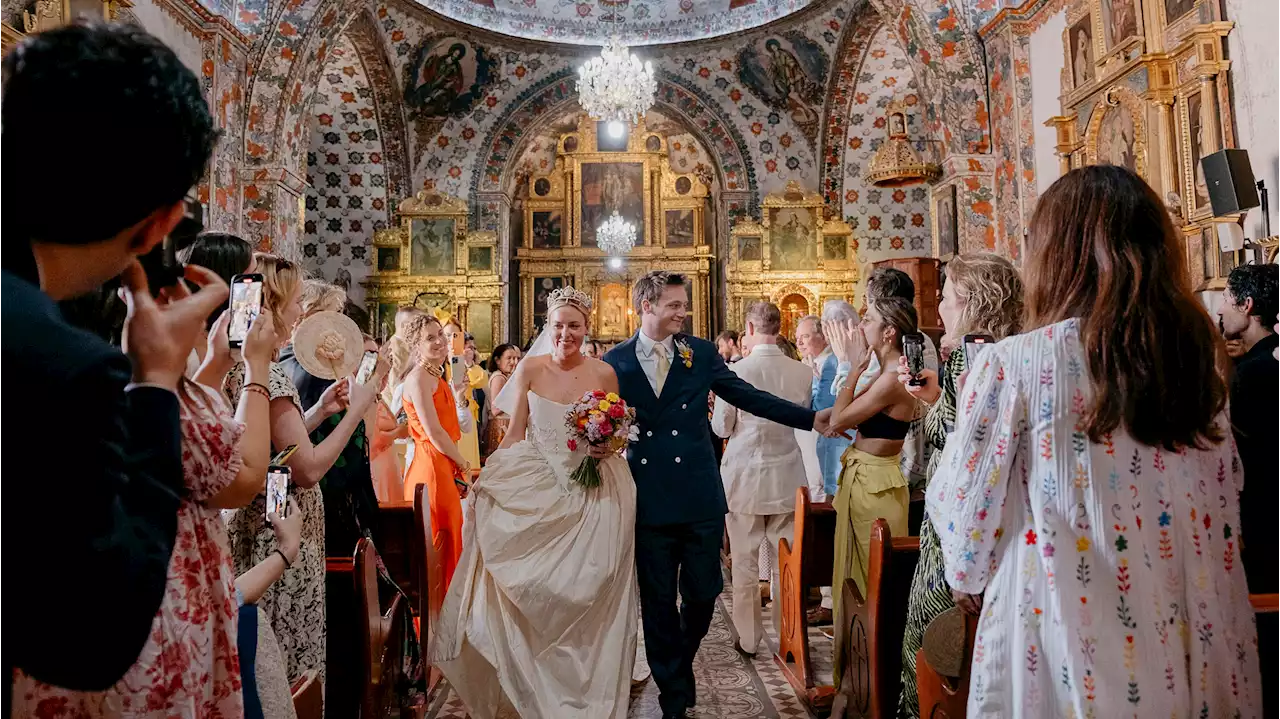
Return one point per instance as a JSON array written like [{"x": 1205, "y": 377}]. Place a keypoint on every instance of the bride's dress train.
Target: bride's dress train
[{"x": 541, "y": 614}]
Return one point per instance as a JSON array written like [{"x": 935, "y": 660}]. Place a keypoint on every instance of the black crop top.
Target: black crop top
[{"x": 882, "y": 426}]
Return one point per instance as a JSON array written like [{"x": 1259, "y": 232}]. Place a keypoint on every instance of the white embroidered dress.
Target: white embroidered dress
[{"x": 1112, "y": 577}]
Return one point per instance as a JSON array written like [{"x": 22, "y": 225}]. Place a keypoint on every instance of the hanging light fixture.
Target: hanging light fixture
[
  {"x": 616, "y": 86},
  {"x": 615, "y": 235}
]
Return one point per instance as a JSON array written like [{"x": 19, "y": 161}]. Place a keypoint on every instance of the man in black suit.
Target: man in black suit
[
  {"x": 92, "y": 438},
  {"x": 680, "y": 510}
]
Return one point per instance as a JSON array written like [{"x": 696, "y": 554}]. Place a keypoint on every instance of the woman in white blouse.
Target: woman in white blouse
[{"x": 1089, "y": 491}]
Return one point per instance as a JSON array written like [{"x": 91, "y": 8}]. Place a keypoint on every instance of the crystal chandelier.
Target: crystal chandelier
[
  {"x": 616, "y": 236},
  {"x": 616, "y": 86}
]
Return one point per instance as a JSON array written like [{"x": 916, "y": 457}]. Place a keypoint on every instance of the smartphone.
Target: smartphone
[
  {"x": 913, "y": 348},
  {"x": 246, "y": 303},
  {"x": 973, "y": 346},
  {"x": 278, "y": 478},
  {"x": 367, "y": 364},
  {"x": 283, "y": 458}
]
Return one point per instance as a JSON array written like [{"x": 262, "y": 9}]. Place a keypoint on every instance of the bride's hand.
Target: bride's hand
[{"x": 600, "y": 452}]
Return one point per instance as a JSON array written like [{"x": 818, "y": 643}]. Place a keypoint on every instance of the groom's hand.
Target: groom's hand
[
  {"x": 600, "y": 452},
  {"x": 822, "y": 425}
]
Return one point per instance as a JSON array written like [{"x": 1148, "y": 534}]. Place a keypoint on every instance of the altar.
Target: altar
[{"x": 596, "y": 173}]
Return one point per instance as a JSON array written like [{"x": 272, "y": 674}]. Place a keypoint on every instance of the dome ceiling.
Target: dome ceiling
[{"x": 637, "y": 22}]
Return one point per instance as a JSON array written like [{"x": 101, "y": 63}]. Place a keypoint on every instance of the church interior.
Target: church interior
[{"x": 441, "y": 155}]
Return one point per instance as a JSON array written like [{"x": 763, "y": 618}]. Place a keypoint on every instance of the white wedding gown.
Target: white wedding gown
[{"x": 541, "y": 614}]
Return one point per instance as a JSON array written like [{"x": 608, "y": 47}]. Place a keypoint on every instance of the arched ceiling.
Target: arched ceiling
[{"x": 637, "y": 22}]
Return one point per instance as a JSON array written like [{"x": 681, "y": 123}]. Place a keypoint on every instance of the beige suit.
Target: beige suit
[{"x": 761, "y": 468}]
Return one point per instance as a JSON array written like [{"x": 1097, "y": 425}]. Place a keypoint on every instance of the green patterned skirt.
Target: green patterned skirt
[{"x": 930, "y": 596}]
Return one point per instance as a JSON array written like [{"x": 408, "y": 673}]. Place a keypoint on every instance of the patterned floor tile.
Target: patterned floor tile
[{"x": 729, "y": 686}]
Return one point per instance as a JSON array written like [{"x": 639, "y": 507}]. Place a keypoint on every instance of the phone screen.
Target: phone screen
[
  {"x": 973, "y": 346},
  {"x": 278, "y": 490},
  {"x": 367, "y": 365},
  {"x": 246, "y": 303},
  {"x": 913, "y": 348}
]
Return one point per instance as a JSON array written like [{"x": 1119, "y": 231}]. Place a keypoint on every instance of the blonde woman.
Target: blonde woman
[
  {"x": 295, "y": 604},
  {"x": 982, "y": 295}
]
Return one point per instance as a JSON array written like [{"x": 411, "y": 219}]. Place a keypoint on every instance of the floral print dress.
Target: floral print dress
[
  {"x": 1111, "y": 572},
  {"x": 189, "y": 666},
  {"x": 295, "y": 604}
]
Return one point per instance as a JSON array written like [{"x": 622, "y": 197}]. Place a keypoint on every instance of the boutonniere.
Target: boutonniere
[{"x": 685, "y": 352}]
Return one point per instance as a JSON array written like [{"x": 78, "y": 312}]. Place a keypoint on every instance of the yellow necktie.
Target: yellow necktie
[{"x": 664, "y": 365}]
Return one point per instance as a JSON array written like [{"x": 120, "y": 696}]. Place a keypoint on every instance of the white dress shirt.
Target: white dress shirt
[
  {"x": 763, "y": 464},
  {"x": 649, "y": 359}
]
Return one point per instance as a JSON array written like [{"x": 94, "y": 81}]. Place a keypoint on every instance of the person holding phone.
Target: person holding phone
[
  {"x": 872, "y": 485},
  {"x": 433, "y": 413},
  {"x": 982, "y": 296},
  {"x": 295, "y": 604},
  {"x": 108, "y": 421}
]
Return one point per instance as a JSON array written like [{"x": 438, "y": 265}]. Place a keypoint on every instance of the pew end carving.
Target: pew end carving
[
  {"x": 803, "y": 565},
  {"x": 943, "y": 696},
  {"x": 869, "y": 636},
  {"x": 429, "y": 578},
  {"x": 380, "y": 638}
]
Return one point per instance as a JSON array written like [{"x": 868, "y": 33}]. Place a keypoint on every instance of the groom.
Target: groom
[{"x": 680, "y": 511}]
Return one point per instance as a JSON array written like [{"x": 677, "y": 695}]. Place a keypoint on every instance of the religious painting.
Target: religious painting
[
  {"x": 386, "y": 320},
  {"x": 1198, "y": 193},
  {"x": 947, "y": 232},
  {"x": 447, "y": 75},
  {"x": 614, "y": 303},
  {"x": 749, "y": 248},
  {"x": 791, "y": 241},
  {"x": 835, "y": 248},
  {"x": 542, "y": 289},
  {"x": 1080, "y": 52},
  {"x": 688, "y": 302},
  {"x": 548, "y": 228},
  {"x": 431, "y": 246},
  {"x": 388, "y": 259},
  {"x": 788, "y": 72},
  {"x": 480, "y": 259},
  {"x": 680, "y": 228},
  {"x": 1174, "y": 9},
  {"x": 1116, "y": 138},
  {"x": 608, "y": 187},
  {"x": 793, "y": 308},
  {"x": 1119, "y": 21}
]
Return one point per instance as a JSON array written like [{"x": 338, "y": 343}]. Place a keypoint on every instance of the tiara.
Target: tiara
[{"x": 569, "y": 296}]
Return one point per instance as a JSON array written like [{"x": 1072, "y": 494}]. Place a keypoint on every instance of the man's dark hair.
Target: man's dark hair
[
  {"x": 1257, "y": 283},
  {"x": 130, "y": 132},
  {"x": 890, "y": 282}
]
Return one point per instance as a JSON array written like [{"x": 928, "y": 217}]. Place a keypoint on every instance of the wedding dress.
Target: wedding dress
[{"x": 541, "y": 614}]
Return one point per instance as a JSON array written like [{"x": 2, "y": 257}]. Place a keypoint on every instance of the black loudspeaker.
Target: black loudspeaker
[{"x": 1230, "y": 181}]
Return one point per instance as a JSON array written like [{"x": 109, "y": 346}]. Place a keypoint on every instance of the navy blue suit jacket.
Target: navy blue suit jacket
[{"x": 673, "y": 463}]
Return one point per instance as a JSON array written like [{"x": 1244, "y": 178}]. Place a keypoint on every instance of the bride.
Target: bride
[{"x": 541, "y": 614}]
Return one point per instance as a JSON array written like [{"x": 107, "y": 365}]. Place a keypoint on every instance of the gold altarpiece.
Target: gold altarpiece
[
  {"x": 1145, "y": 85},
  {"x": 430, "y": 260},
  {"x": 794, "y": 257},
  {"x": 595, "y": 174}
]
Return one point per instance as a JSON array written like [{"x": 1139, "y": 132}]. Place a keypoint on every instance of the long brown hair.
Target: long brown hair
[{"x": 1102, "y": 248}]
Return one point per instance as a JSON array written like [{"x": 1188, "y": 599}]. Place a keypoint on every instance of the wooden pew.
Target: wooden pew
[
  {"x": 308, "y": 696},
  {"x": 803, "y": 565},
  {"x": 946, "y": 697},
  {"x": 429, "y": 582},
  {"x": 380, "y": 638},
  {"x": 870, "y": 633},
  {"x": 398, "y": 545},
  {"x": 342, "y": 682}
]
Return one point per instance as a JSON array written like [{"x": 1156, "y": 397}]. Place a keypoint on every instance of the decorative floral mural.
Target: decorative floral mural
[
  {"x": 886, "y": 222},
  {"x": 346, "y": 201}
]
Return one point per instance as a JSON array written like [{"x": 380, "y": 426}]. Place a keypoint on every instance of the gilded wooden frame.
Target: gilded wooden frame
[
  {"x": 430, "y": 205},
  {"x": 1117, "y": 96}
]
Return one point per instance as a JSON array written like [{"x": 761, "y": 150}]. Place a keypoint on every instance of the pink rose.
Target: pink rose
[
  {"x": 616, "y": 411},
  {"x": 573, "y": 445}
]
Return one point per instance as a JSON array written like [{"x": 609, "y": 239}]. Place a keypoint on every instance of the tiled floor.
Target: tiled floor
[{"x": 729, "y": 686}]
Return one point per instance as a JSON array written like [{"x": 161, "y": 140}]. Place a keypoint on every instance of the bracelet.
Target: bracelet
[
  {"x": 287, "y": 563},
  {"x": 259, "y": 385},
  {"x": 258, "y": 389}
]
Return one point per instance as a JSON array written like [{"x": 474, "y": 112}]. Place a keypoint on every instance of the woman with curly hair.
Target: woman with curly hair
[{"x": 982, "y": 295}]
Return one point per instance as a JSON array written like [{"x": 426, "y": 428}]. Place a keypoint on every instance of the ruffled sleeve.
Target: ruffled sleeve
[{"x": 966, "y": 497}]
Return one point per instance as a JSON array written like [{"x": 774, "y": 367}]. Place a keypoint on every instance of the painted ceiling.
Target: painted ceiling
[{"x": 637, "y": 22}]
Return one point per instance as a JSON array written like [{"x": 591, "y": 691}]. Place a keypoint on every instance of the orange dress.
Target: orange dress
[{"x": 433, "y": 468}]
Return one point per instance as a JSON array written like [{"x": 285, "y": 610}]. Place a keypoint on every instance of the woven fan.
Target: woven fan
[{"x": 328, "y": 345}]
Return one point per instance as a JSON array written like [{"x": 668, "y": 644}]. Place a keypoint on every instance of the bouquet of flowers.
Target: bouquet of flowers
[{"x": 599, "y": 419}]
